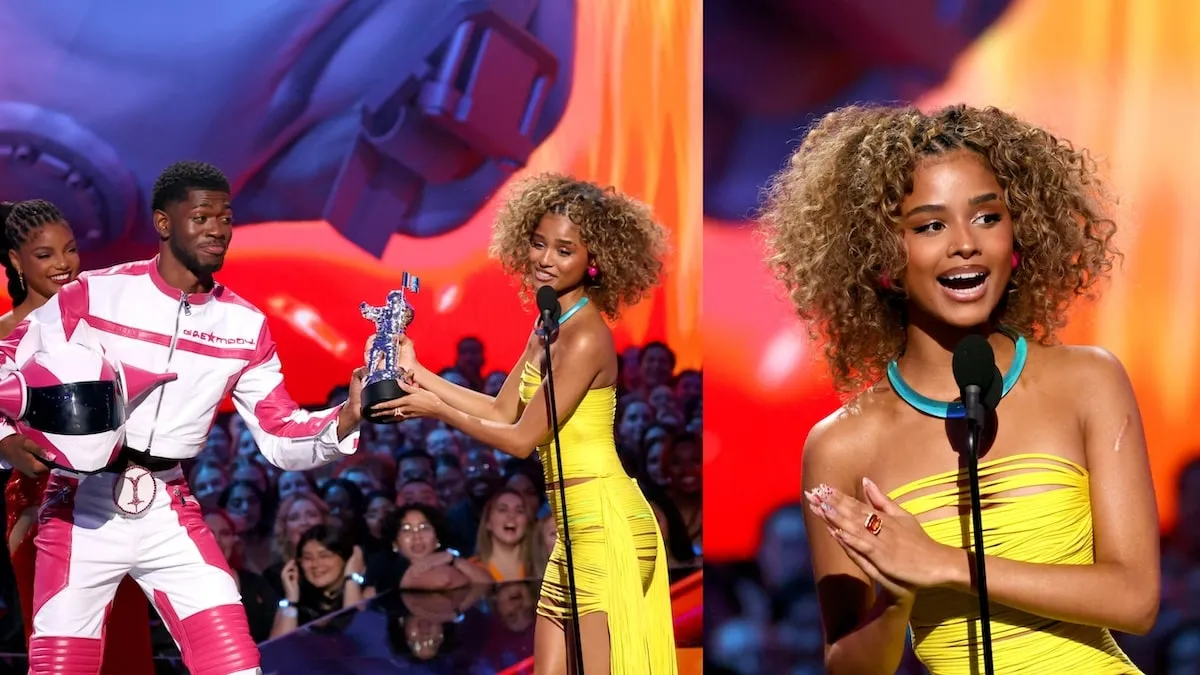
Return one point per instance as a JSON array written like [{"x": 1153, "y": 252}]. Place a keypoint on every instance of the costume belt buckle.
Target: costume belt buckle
[{"x": 134, "y": 490}]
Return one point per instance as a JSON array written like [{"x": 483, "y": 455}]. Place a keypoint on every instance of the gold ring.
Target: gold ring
[{"x": 873, "y": 524}]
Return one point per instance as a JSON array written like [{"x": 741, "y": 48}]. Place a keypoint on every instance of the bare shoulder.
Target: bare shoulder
[
  {"x": 1095, "y": 382},
  {"x": 591, "y": 339},
  {"x": 838, "y": 448},
  {"x": 1086, "y": 368}
]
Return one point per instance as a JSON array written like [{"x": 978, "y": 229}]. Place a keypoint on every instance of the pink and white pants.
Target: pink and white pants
[{"x": 86, "y": 545}]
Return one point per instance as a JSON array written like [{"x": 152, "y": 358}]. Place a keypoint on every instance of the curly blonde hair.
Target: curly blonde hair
[
  {"x": 830, "y": 222},
  {"x": 619, "y": 232}
]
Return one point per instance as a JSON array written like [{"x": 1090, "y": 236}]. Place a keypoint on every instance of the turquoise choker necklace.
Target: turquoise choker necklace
[
  {"x": 955, "y": 409},
  {"x": 572, "y": 309},
  {"x": 565, "y": 315}
]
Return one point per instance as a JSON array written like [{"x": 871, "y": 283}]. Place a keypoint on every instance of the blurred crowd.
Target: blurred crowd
[
  {"x": 762, "y": 616},
  {"x": 474, "y": 629},
  {"x": 422, "y": 506}
]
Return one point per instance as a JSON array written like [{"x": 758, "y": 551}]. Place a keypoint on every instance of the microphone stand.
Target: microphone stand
[
  {"x": 975, "y": 418},
  {"x": 547, "y": 334}
]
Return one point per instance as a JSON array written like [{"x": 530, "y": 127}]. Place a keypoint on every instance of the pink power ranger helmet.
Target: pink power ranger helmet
[{"x": 71, "y": 399}]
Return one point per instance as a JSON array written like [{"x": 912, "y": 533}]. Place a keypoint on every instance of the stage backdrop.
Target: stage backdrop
[
  {"x": 1120, "y": 78},
  {"x": 629, "y": 89}
]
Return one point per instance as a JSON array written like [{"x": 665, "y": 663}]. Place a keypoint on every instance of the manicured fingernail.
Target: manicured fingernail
[
  {"x": 834, "y": 532},
  {"x": 867, "y": 482},
  {"x": 828, "y": 509},
  {"x": 823, "y": 491}
]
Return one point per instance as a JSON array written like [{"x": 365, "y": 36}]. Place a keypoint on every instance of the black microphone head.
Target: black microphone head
[
  {"x": 547, "y": 301},
  {"x": 974, "y": 363},
  {"x": 993, "y": 394}
]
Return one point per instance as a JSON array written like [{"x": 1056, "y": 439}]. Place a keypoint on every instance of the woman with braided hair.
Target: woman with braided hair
[
  {"x": 38, "y": 242},
  {"x": 40, "y": 256}
]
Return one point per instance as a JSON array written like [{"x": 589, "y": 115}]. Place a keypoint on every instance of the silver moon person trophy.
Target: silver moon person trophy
[{"x": 383, "y": 369}]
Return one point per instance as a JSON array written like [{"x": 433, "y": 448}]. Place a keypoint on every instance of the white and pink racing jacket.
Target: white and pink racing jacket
[{"x": 215, "y": 342}]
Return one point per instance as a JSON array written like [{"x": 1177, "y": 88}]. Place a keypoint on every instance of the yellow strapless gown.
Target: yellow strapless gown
[
  {"x": 1049, "y": 527},
  {"x": 619, "y": 556}
]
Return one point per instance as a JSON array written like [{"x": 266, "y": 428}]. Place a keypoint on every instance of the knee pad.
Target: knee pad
[
  {"x": 65, "y": 655},
  {"x": 217, "y": 642}
]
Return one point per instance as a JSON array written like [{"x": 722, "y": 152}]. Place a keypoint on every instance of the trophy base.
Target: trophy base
[{"x": 381, "y": 392}]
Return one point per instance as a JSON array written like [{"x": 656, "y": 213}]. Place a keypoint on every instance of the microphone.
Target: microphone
[
  {"x": 549, "y": 309},
  {"x": 981, "y": 386},
  {"x": 991, "y": 397},
  {"x": 974, "y": 365}
]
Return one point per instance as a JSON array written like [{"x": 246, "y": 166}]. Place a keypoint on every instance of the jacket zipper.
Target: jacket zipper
[{"x": 184, "y": 308}]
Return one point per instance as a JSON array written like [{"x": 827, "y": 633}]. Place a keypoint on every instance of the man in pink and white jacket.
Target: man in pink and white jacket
[{"x": 163, "y": 315}]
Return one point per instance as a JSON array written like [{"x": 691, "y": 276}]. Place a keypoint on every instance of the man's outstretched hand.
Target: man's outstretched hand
[
  {"x": 350, "y": 416},
  {"x": 24, "y": 455}
]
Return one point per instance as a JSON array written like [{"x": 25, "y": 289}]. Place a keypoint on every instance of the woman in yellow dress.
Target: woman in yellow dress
[
  {"x": 598, "y": 250},
  {"x": 897, "y": 233}
]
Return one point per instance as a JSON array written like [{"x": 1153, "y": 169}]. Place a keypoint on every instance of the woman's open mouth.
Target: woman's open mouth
[{"x": 965, "y": 284}]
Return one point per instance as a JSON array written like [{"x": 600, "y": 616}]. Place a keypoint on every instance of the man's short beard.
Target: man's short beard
[{"x": 192, "y": 263}]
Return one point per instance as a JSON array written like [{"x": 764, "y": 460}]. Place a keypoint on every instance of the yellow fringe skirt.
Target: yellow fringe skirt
[{"x": 620, "y": 569}]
